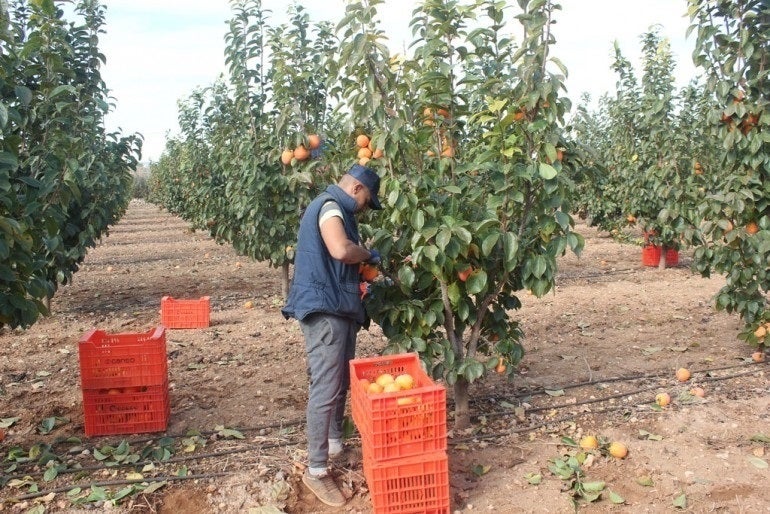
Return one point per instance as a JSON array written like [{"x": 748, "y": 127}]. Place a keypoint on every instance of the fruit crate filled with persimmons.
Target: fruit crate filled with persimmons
[
  {"x": 179, "y": 313},
  {"x": 398, "y": 410},
  {"x": 124, "y": 382}
]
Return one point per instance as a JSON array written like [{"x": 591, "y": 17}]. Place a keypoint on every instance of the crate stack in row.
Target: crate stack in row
[
  {"x": 403, "y": 436},
  {"x": 124, "y": 377}
]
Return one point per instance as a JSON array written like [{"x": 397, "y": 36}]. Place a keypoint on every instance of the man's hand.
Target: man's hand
[{"x": 375, "y": 257}]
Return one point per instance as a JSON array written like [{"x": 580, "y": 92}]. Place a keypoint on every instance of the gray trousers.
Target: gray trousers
[{"x": 330, "y": 342}]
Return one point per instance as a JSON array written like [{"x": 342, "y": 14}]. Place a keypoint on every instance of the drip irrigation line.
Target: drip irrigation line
[
  {"x": 278, "y": 424},
  {"x": 608, "y": 273},
  {"x": 613, "y": 396},
  {"x": 173, "y": 436},
  {"x": 529, "y": 428},
  {"x": 108, "y": 483},
  {"x": 171, "y": 460},
  {"x": 624, "y": 378}
]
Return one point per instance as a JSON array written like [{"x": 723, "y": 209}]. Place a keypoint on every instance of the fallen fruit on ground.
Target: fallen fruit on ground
[
  {"x": 500, "y": 368},
  {"x": 618, "y": 450},
  {"x": 662, "y": 399},
  {"x": 589, "y": 442},
  {"x": 698, "y": 391},
  {"x": 248, "y": 305},
  {"x": 758, "y": 356},
  {"x": 683, "y": 374}
]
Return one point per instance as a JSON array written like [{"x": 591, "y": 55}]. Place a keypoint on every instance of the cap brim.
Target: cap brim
[{"x": 375, "y": 204}]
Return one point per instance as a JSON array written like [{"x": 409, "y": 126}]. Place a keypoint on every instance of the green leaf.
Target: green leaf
[
  {"x": 616, "y": 498},
  {"x": 547, "y": 171},
  {"x": 645, "y": 481},
  {"x": 759, "y": 438},
  {"x": 489, "y": 244},
  {"x": 510, "y": 250},
  {"x": 477, "y": 281},
  {"x": 680, "y": 502},
  {"x": 758, "y": 463},
  {"x": 154, "y": 486},
  {"x": 533, "y": 478},
  {"x": 7, "y": 422},
  {"x": 229, "y": 432},
  {"x": 51, "y": 473},
  {"x": 480, "y": 470},
  {"x": 47, "y": 425},
  {"x": 554, "y": 392},
  {"x": 597, "y": 486}
]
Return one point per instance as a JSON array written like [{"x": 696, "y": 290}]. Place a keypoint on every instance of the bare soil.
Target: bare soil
[{"x": 598, "y": 351}]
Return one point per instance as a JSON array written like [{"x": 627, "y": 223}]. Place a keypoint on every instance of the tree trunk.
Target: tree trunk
[
  {"x": 662, "y": 261},
  {"x": 462, "y": 404},
  {"x": 285, "y": 282}
]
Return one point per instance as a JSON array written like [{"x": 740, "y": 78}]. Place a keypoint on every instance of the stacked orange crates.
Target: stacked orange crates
[
  {"x": 185, "y": 313},
  {"x": 124, "y": 381},
  {"x": 403, "y": 436}
]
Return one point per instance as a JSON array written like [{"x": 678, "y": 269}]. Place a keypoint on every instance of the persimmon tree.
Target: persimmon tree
[
  {"x": 224, "y": 174},
  {"x": 63, "y": 178},
  {"x": 652, "y": 144},
  {"x": 475, "y": 190},
  {"x": 733, "y": 48}
]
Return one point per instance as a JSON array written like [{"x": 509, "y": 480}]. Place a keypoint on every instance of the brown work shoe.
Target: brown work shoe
[{"x": 324, "y": 487}]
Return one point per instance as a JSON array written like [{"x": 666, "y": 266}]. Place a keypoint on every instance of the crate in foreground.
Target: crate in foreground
[
  {"x": 126, "y": 410},
  {"x": 398, "y": 424},
  {"x": 185, "y": 313},
  {"x": 418, "y": 484},
  {"x": 123, "y": 360}
]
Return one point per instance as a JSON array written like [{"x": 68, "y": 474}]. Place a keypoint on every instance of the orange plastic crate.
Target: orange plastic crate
[
  {"x": 126, "y": 410},
  {"x": 123, "y": 360},
  {"x": 418, "y": 484},
  {"x": 400, "y": 424},
  {"x": 185, "y": 313},
  {"x": 651, "y": 256}
]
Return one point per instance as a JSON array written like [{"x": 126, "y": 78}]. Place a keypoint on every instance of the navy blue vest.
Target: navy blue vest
[{"x": 322, "y": 283}]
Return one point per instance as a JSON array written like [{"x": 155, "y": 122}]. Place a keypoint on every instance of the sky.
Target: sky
[{"x": 159, "y": 51}]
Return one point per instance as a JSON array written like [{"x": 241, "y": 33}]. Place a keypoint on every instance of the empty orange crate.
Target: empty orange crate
[
  {"x": 126, "y": 410},
  {"x": 185, "y": 313},
  {"x": 123, "y": 360},
  {"x": 399, "y": 424},
  {"x": 418, "y": 484},
  {"x": 651, "y": 256}
]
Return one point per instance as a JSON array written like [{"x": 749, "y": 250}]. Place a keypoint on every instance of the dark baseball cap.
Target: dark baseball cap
[{"x": 370, "y": 179}]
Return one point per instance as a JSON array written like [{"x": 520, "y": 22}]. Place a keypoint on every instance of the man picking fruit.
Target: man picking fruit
[{"x": 325, "y": 298}]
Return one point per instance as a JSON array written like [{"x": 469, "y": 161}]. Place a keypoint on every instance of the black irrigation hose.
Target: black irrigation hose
[
  {"x": 567, "y": 418},
  {"x": 541, "y": 391},
  {"x": 171, "y": 460},
  {"x": 172, "y": 436},
  {"x": 112, "y": 482}
]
